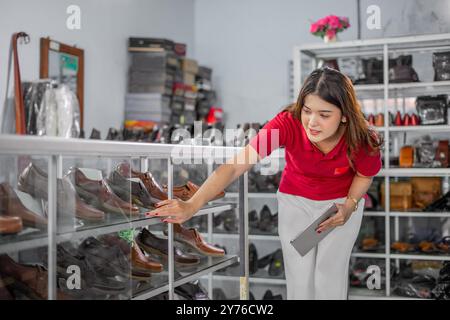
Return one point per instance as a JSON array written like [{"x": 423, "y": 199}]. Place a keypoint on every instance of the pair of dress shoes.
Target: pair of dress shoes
[
  {"x": 98, "y": 193},
  {"x": 159, "y": 246},
  {"x": 275, "y": 262},
  {"x": 136, "y": 187},
  {"x": 186, "y": 191},
  {"x": 34, "y": 181}
]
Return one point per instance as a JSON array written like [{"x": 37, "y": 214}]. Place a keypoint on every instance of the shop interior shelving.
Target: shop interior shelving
[
  {"x": 307, "y": 57},
  {"x": 55, "y": 149}
]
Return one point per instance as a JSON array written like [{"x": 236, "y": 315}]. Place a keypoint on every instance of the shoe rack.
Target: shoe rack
[
  {"x": 261, "y": 283},
  {"x": 57, "y": 152},
  {"x": 308, "y": 57}
]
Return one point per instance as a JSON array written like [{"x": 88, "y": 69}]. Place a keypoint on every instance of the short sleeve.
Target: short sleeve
[
  {"x": 367, "y": 162},
  {"x": 276, "y": 133}
]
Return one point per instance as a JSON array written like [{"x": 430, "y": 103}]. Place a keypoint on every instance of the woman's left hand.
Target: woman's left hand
[{"x": 338, "y": 219}]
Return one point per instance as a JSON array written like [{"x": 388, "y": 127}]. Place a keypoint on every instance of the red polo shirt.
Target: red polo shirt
[{"x": 308, "y": 172}]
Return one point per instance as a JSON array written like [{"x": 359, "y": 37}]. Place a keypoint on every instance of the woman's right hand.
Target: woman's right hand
[{"x": 174, "y": 210}]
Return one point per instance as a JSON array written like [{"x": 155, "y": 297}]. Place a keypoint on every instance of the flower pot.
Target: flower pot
[{"x": 328, "y": 39}]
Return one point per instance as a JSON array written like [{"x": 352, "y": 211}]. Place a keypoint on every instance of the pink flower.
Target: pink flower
[
  {"x": 330, "y": 33},
  {"x": 314, "y": 28},
  {"x": 334, "y": 22}
]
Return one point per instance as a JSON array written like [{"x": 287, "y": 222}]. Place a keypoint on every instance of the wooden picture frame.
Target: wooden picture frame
[{"x": 46, "y": 46}]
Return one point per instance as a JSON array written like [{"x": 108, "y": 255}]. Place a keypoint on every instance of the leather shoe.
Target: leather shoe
[
  {"x": 186, "y": 191},
  {"x": 153, "y": 188},
  {"x": 194, "y": 240},
  {"x": 89, "y": 277},
  {"x": 99, "y": 194},
  {"x": 154, "y": 245},
  {"x": 141, "y": 262},
  {"x": 130, "y": 190},
  {"x": 32, "y": 281},
  {"x": 265, "y": 220},
  {"x": 252, "y": 258},
  {"x": 10, "y": 225},
  {"x": 35, "y": 182},
  {"x": 276, "y": 267},
  {"x": 13, "y": 207},
  {"x": 109, "y": 261}
]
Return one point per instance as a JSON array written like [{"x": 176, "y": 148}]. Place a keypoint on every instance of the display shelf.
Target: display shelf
[
  {"x": 423, "y": 256},
  {"x": 220, "y": 235},
  {"x": 256, "y": 195},
  {"x": 207, "y": 265},
  {"x": 366, "y": 294},
  {"x": 414, "y": 172},
  {"x": 39, "y": 239},
  {"x": 420, "y": 128}
]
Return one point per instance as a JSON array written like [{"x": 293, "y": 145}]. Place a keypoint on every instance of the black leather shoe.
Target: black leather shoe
[
  {"x": 230, "y": 221},
  {"x": 90, "y": 279},
  {"x": 252, "y": 258},
  {"x": 253, "y": 220},
  {"x": 265, "y": 220},
  {"x": 95, "y": 134},
  {"x": 109, "y": 261},
  {"x": 264, "y": 261},
  {"x": 154, "y": 245}
]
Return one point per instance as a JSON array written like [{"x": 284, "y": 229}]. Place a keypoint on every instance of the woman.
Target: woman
[{"x": 331, "y": 157}]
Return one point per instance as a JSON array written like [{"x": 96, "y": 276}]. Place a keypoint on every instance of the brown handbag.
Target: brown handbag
[
  {"x": 425, "y": 190},
  {"x": 401, "y": 195}
]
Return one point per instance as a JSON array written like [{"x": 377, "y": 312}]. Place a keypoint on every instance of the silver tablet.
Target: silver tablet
[{"x": 309, "y": 238}]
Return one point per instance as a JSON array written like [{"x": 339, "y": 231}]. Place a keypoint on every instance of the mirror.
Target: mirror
[{"x": 64, "y": 64}]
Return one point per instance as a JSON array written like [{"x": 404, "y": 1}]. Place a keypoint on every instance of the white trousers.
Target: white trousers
[{"x": 323, "y": 272}]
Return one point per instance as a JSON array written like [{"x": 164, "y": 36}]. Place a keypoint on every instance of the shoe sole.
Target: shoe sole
[{"x": 162, "y": 255}]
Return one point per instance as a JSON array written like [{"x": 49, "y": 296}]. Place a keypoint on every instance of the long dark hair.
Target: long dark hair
[{"x": 335, "y": 88}]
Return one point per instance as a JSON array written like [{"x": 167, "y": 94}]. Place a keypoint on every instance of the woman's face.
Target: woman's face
[{"x": 320, "y": 119}]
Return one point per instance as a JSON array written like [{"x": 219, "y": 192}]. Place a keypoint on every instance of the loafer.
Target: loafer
[
  {"x": 13, "y": 207},
  {"x": 192, "y": 238},
  {"x": 252, "y": 258},
  {"x": 265, "y": 220},
  {"x": 158, "y": 246}
]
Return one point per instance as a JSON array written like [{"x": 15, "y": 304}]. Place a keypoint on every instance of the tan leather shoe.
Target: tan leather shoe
[
  {"x": 10, "y": 225},
  {"x": 141, "y": 262},
  {"x": 186, "y": 191},
  {"x": 193, "y": 239},
  {"x": 13, "y": 207}
]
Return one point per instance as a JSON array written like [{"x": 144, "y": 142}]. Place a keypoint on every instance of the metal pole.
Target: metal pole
[
  {"x": 210, "y": 237},
  {"x": 243, "y": 236},
  {"x": 52, "y": 225},
  {"x": 170, "y": 227}
]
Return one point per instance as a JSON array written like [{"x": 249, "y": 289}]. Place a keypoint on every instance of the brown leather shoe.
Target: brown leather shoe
[
  {"x": 4, "y": 292},
  {"x": 150, "y": 184},
  {"x": 141, "y": 263},
  {"x": 99, "y": 194},
  {"x": 193, "y": 239},
  {"x": 14, "y": 208},
  {"x": 186, "y": 191},
  {"x": 30, "y": 280},
  {"x": 154, "y": 245},
  {"x": 10, "y": 225},
  {"x": 35, "y": 182}
]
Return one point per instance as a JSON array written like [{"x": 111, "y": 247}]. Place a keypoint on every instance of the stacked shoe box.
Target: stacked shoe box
[
  {"x": 206, "y": 96},
  {"x": 154, "y": 66}
]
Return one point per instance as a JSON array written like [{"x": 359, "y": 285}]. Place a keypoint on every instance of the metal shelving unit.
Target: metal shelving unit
[
  {"x": 309, "y": 55},
  {"x": 54, "y": 149}
]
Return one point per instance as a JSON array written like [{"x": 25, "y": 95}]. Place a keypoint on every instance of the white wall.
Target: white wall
[
  {"x": 248, "y": 43},
  {"x": 105, "y": 28}
]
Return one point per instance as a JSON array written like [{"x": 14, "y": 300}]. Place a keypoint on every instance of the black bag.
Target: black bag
[{"x": 401, "y": 70}]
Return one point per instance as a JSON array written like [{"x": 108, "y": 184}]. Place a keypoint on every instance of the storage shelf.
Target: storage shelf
[
  {"x": 204, "y": 269},
  {"x": 220, "y": 235},
  {"x": 17, "y": 244},
  {"x": 420, "y": 128},
  {"x": 366, "y": 294},
  {"x": 401, "y": 256},
  {"x": 414, "y": 172},
  {"x": 256, "y": 280},
  {"x": 258, "y": 195}
]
